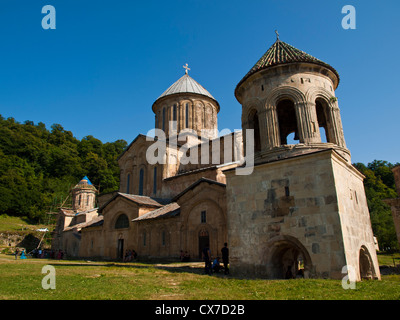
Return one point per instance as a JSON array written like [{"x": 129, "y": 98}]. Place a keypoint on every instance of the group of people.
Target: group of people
[
  {"x": 48, "y": 254},
  {"x": 130, "y": 255},
  {"x": 40, "y": 254},
  {"x": 22, "y": 256},
  {"x": 215, "y": 266},
  {"x": 185, "y": 256}
]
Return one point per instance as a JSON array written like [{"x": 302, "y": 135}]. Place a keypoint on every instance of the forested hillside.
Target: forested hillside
[
  {"x": 379, "y": 185},
  {"x": 38, "y": 167}
]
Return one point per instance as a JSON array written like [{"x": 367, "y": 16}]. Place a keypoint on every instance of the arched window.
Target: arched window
[
  {"x": 163, "y": 238},
  {"x": 287, "y": 121},
  {"x": 141, "y": 178},
  {"x": 174, "y": 117},
  {"x": 163, "y": 119},
  {"x": 155, "y": 180},
  {"x": 122, "y": 222},
  {"x": 144, "y": 238},
  {"x": 323, "y": 122},
  {"x": 187, "y": 115},
  {"x": 255, "y": 125},
  {"x": 128, "y": 183}
]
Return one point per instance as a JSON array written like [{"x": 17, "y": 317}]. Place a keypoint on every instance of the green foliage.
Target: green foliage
[
  {"x": 379, "y": 185},
  {"x": 38, "y": 166}
]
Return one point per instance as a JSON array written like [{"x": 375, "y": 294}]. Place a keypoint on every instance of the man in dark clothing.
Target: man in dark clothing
[
  {"x": 207, "y": 259},
  {"x": 225, "y": 257}
]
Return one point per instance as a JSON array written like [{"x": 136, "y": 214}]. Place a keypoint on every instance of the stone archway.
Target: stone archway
[
  {"x": 287, "y": 258},
  {"x": 367, "y": 270}
]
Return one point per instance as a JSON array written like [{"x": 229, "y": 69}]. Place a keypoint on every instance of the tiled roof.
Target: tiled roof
[
  {"x": 84, "y": 184},
  {"x": 186, "y": 84},
  {"x": 282, "y": 53},
  {"x": 94, "y": 222},
  {"x": 167, "y": 211},
  {"x": 140, "y": 200},
  {"x": 143, "y": 200}
]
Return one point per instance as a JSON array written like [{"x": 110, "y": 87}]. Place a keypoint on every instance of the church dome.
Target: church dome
[
  {"x": 186, "y": 84},
  {"x": 85, "y": 184}
]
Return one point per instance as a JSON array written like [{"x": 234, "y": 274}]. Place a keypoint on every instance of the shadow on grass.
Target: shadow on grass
[{"x": 194, "y": 267}]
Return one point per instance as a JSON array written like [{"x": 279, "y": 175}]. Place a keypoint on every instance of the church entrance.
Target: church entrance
[
  {"x": 288, "y": 259},
  {"x": 204, "y": 240},
  {"x": 120, "y": 249},
  {"x": 366, "y": 266}
]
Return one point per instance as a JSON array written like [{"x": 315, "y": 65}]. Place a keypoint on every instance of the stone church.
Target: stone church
[{"x": 301, "y": 212}]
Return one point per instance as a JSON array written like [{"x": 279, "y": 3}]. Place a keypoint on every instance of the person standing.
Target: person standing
[
  {"x": 207, "y": 259},
  {"x": 23, "y": 254},
  {"x": 16, "y": 253},
  {"x": 225, "y": 258}
]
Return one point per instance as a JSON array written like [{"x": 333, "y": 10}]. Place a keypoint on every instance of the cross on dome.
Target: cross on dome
[{"x": 186, "y": 68}]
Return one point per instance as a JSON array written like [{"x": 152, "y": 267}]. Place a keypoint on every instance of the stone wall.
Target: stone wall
[{"x": 287, "y": 206}]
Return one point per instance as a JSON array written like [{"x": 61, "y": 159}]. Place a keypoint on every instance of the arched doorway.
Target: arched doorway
[
  {"x": 367, "y": 270},
  {"x": 204, "y": 240},
  {"x": 287, "y": 259}
]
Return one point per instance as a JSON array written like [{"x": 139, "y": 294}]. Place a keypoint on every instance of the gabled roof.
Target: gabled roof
[
  {"x": 167, "y": 211},
  {"x": 282, "y": 53},
  {"x": 139, "y": 136},
  {"x": 143, "y": 201},
  {"x": 192, "y": 186},
  {"x": 97, "y": 221}
]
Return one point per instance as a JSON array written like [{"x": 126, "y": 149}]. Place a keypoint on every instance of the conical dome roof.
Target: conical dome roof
[
  {"x": 84, "y": 184},
  {"x": 282, "y": 53},
  {"x": 186, "y": 84}
]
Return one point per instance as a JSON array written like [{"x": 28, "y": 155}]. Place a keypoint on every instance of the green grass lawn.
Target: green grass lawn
[{"x": 22, "y": 280}]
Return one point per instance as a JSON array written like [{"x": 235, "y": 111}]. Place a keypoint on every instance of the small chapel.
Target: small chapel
[{"x": 302, "y": 211}]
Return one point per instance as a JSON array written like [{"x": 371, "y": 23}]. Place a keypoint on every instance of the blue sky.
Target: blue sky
[{"x": 99, "y": 72}]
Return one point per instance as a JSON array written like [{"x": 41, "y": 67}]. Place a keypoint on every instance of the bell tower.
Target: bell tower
[
  {"x": 304, "y": 204},
  {"x": 288, "y": 98}
]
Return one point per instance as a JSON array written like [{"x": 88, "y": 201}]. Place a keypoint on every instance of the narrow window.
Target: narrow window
[
  {"x": 144, "y": 239},
  {"x": 203, "y": 217},
  {"x": 187, "y": 115},
  {"x": 128, "y": 182},
  {"x": 287, "y": 191},
  {"x": 163, "y": 238},
  {"x": 155, "y": 181},
  {"x": 141, "y": 177},
  {"x": 174, "y": 117},
  {"x": 163, "y": 119},
  {"x": 79, "y": 200}
]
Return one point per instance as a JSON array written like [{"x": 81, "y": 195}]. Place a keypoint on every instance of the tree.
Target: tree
[{"x": 379, "y": 185}]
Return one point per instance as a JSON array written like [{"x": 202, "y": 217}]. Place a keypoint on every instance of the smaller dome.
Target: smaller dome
[{"x": 85, "y": 183}]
